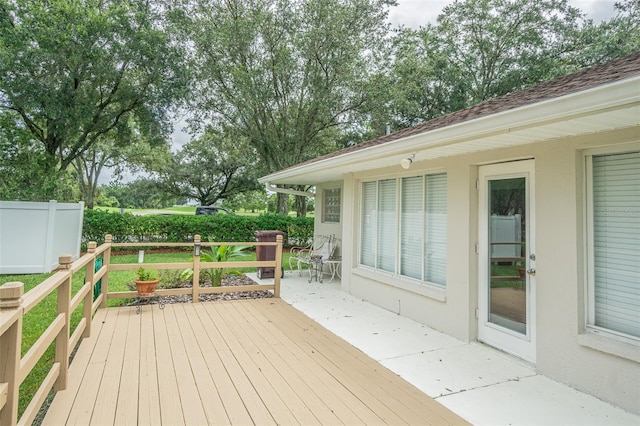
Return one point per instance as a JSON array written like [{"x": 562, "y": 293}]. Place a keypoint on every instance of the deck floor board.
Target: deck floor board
[{"x": 235, "y": 362}]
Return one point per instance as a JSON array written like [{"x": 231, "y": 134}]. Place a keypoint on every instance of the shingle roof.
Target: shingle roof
[{"x": 587, "y": 78}]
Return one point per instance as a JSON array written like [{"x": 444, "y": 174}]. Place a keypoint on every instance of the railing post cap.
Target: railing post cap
[
  {"x": 65, "y": 261},
  {"x": 11, "y": 295},
  {"x": 108, "y": 238},
  {"x": 197, "y": 238},
  {"x": 91, "y": 246}
]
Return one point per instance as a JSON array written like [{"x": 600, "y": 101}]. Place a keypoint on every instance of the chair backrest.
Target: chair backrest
[{"x": 326, "y": 246}]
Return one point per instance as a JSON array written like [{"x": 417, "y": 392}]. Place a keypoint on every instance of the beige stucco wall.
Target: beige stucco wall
[
  {"x": 326, "y": 228},
  {"x": 564, "y": 350}
]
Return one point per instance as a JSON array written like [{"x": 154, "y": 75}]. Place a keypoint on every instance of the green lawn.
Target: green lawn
[
  {"x": 39, "y": 318},
  {"x": 33, "y": 325}
]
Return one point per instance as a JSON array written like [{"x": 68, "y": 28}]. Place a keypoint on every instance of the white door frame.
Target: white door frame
[{"x": 522, "y": 345}]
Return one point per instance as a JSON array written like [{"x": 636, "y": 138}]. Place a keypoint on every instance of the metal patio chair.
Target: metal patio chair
[{"x": 322, "y": 248}]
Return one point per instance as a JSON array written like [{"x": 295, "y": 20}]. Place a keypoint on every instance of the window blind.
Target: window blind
[
  {"x": 616, "y": 242},
  {"x": 387, "y": 225},
  {"x": 435, "y": 253},
  {"x": 368, "y": 224},
  {"x": 412, "y": 227}
]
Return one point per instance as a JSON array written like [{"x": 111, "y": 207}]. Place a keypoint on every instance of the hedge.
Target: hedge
[{"x": 181, "y": 228}]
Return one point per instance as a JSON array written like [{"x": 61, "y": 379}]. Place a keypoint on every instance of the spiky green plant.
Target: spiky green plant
[{"x": 218, "y": 254}]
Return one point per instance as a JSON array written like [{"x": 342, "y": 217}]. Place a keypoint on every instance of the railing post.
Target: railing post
[
  {"x": 87, "y": 305},
  {"x": 10, "y": 347},
  {"x": 64, "y": 307},
  {"x": 196, "y": 269},
  {"x": 106, "y": 260},
  {"x": 278, "y": 271}
]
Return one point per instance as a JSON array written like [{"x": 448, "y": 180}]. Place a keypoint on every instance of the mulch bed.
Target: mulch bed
[{"x": 227, "y": 282}]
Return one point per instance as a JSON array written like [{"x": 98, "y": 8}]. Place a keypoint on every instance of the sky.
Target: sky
[{"x": 416, "y": 13}]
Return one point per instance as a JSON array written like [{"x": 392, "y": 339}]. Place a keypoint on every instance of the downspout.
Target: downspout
[{"x": 272, "y": 188}]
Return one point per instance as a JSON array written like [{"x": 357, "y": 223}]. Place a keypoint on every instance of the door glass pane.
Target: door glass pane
[{"x": 507, "y": 248}]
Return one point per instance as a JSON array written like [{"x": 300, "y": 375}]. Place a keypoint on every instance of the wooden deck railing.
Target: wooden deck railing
[{"x": 14, "y": 304}]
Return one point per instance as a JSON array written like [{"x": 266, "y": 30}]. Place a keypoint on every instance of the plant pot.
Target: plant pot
[{"x": 146, "y": 288}]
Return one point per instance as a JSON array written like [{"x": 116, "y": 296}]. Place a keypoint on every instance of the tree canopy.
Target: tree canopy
[
  {"x": 269, "y": 83},
  {"x": 74, "y": 71},
  {"x": 284, "y": 72},
  {"x": 214, "y": 167}
]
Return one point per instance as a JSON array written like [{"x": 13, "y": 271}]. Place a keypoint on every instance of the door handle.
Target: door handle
[{"x": 531, "y": 272}]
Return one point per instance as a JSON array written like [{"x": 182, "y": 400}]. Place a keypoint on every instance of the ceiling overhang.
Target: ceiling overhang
[{"x": 604, "y": 108}]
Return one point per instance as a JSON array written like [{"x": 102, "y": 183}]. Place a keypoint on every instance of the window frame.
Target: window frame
[
  {"x": 589, "y": 266},
  {"x": 419, "y": 284}
]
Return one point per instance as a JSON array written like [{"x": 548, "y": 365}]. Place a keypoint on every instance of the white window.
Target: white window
[
  {"x": 331, "y": 205},
  {"x": 613, "y": 217},
  {"x": 404, "y": 227},
  {"x": 368, "y": 224}
]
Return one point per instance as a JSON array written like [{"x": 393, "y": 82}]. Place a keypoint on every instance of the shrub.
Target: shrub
[{"x": 181, "y": 228}]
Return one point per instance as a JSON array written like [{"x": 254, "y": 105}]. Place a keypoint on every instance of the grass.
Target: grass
[
  {"x": 34, "y": 324},
  {"x": 505, "y": 270},
  {"x": 40, "y": 317}
]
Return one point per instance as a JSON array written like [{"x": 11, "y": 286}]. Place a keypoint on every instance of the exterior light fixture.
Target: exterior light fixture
[
  {"x": 405, "y": 163},
  {"x": 196, "y": 249}
]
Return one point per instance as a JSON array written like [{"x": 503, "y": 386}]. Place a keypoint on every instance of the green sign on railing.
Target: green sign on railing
[{"x": 98, "y": 287}]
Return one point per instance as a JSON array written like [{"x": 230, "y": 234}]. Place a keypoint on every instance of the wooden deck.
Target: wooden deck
[{"x": 237, "y": 362}]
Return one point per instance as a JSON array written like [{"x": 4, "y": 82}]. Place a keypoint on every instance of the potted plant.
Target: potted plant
[{"x": 146, "y": 282}]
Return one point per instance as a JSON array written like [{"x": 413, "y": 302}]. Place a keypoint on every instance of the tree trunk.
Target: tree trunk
[
  {"x": 301, "y": 206},
  {"x": 283, "y": 203}
]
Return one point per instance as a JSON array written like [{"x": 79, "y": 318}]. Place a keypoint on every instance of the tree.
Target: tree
[
  {"x": 610, "y": 39},
  {"x": 284, "y": 72},
  {"x": 139, "y": 194},
  {"x": 139, "y": 151},
  {"x": 74, "y": 71},
  {"x": 505, "y": 45},
  {"x": 23, "y": 172},
  {"x": 421, "y": 84},
  {"x": 214, "y": 167},
  {"x": 253, "y": 201},
  {"x": 479, "y": 49}
]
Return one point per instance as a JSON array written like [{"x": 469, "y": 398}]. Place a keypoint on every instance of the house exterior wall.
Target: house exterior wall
[
  {"x": 605, "y": 367},
  {"x": 321, "y": 227}
]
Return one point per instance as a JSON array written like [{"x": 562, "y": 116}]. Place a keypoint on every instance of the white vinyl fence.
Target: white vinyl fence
[{"x": 34, "y": 235}]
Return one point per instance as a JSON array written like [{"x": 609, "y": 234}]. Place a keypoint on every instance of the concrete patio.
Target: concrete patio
[{"x": 481, "y": 384}]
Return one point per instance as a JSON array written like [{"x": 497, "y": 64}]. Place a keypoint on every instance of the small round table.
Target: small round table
[
  {"x": 335, "y": 264},
  {"x": 315, "y": 268}
]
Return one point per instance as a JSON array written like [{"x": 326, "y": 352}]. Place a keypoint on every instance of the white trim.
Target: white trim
[
  {"x": 610, "y": 344},
  {"x": 603, "y": 335},
  {"x": 272, "y": 188},
  {"x": 430, "y": 290},
  {"x": 521, "y": 345}
]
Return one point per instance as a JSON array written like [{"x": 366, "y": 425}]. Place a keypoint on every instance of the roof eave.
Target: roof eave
[{"x": 617, "y": 95}]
